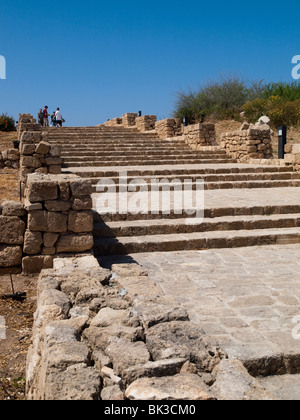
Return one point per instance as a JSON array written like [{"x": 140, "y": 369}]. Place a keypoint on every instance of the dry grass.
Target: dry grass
[
  {"x": 9, "y": 178},
  {"x": 6, "y": 140},
  {"x": 18, "y": 321}
]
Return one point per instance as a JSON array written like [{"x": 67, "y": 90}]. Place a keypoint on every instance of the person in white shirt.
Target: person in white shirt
[{"x": 59, "y": 118}]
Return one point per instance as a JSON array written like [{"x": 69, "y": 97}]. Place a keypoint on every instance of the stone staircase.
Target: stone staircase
[{"x": 245, "y": 205}]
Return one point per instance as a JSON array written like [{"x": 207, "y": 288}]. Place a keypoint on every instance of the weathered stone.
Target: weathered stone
[
  {"x": 31, "y": 162},
  {"x": 50, "y": 239},
  {"x": 112, "y": 393},
  {"x": 13, "y": 208},
  {"x": 132, "y": 354},
  {"x": 11, "y": 230},
  {"x": 81, "y": 187},
  {"x": 32, "y": 242},
  {"x": 185, "y": 387},
  {"x": 233, "y": 383},
  {"x": 77, "y": 383},
  {"x": 160, "y": 310},
  {"x": 41, "y": 188},
  {"x": 57, "y": 205},
  {"x": 153, "y": 369},
  {"x": 183, "y": 340},
  {"x": 101, "y": 338},
  {"x": 44, "y": 221},
  {"x": 75, "y": 243},
  {"x": 108, "y": 317},
  {"x": 10, "y": 256},
  {"x": 82, "y": 203},
  {"x": 28, "y": 149},
  {"x": 43, "y": 148},
  {"x": 35, "y": 264},
  {"x": 80, "y": 222},
  {"x": 54, "y": 169},
  {"x": 127, "y": 270}
]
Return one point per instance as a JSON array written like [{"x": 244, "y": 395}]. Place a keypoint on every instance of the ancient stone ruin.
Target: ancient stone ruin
[{"x": 104, "y": 329}]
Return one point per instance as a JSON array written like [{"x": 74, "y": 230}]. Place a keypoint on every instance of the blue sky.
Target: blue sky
[{"x": 101, "y": 59}]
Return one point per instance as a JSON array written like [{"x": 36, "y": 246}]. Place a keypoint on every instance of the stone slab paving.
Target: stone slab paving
[{"x": 246, "y": 298}]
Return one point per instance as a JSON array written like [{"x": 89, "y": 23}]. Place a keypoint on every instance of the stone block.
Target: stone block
[
  {"x": 43, "y": 148},
  {"x": 75, "y": 243},
  {"x": 32, "y": 242},
  {"x": 80, "y": 221},
  {"x": 44, "y": 221},
  {"x": 11, "y": 230},
  {"x": 58, "y": 205},
  {"x": 35, "y": 264},
  {"x": 10, "y": 256},
  {"x": 13, "y": 208},
  {"x": 31, "y": 162},
  {"x": 54, "y": 169},
  {"x": 82, "y": 203},
  {"x": 81, "y": 187},
  {"x": 41, "y": 188},
  {"x": 50, "y": 239}
]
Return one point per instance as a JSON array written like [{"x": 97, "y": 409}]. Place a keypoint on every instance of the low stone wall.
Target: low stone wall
[
  {"x": 129, "y": 120},
  {"x": 38, "y": 156},
  {"x": 292, "y": 156},
  {"x": 168, "y": 128},
  {"x": 26, "y": 122},
  {"x": 10, "y": 159},
  {"x": 146, "y": 123},
  {"x": 199, "y": 135},
  {"x": 114, "y": 122},
  {"x": 12, "y": 229},
  {"x": 113, "y": 335},
  {"x": 60, "y": 219},
  {"x": 250, "y": 142}
]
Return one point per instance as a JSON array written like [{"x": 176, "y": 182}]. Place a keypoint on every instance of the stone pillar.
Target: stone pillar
[
  {"x": 60, "y": 219},
  {"x": 38, "y": 156},
  {"x": 129, "y": 119},
  {"x": 199, "y": 135},
  {"x": 12, "y": 229},
  {"x": 146, "y": 123},
  {"x": 168, "y": 128},
  {"x": 292, "y": 156}
]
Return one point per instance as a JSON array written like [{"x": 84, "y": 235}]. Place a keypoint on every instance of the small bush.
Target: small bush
[{"x": 7, "y": 123}]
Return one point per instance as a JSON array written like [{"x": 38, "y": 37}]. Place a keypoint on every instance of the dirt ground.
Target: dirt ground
[{"x": 18, "y": 320}]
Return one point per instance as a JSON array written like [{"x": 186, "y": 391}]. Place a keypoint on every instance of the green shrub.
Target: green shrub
[
  {"x": 278, "y": 109},
  {"x": 7, "y": 123},
  {"x": 222, "y": 100},
  {"x": 287, "y": 91}
]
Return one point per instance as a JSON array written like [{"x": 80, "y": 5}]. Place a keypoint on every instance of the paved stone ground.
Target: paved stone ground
[
  {"x": 244, "y": 297},
  {"x": 284, "y": 387}
]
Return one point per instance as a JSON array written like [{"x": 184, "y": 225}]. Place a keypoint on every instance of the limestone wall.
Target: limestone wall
[
  {"x": 146, "y": 123},
  {"x": 112, "y": 334},
  {"x": 60, "y": 219},
  {"x": 129, "y": 119},
  {"x": 250, "y": 142},
  {"x": 26, "y": 122},
  {"x": 292, "y": 156},
  {"x": 114, "y": 122},
  {"x": 168, "y": 128},
  {"x": 38, "y": 156},
  {"x": 199, "y": 135},
  {"x": 12, "y": 229}
]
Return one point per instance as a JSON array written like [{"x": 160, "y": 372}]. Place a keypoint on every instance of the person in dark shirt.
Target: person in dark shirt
[{"x": 40, "y": 117}]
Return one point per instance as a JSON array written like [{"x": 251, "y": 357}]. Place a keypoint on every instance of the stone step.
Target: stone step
[
  {"x": 195, "y": 241},
  {"x": 176, "y": 226},
  {"x": 141, "y": 156},
  {"x": 209, "y": 212},
  {"x": 261, "y": 176},
  {"x": 134, "y": 152},
  {"x": 186, "y": 171},
  {"x": 67, "y": 163}
]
